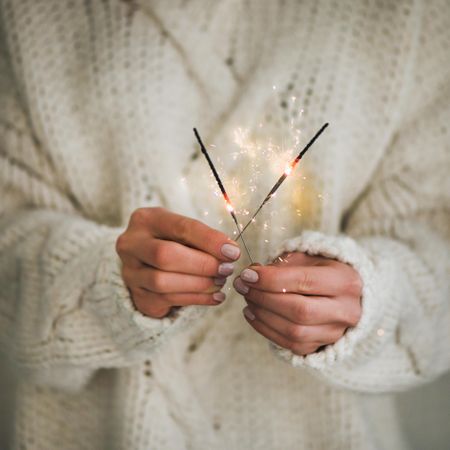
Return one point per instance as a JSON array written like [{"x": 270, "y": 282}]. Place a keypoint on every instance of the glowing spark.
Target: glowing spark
[
  {"x": 380, "y": 332},
  {"x": 284, "y": 291},
  {"x": 288, "y": 170},
  {"x": 284, "y": 176}
]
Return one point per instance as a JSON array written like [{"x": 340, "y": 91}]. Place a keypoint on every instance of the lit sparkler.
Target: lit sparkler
[
  {"x": 228, "y": 204},
  {"x": 287, "y": 171}
]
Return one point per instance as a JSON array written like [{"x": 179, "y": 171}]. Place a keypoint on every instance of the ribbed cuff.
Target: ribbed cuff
[
  {"x": 379, "y": 312},
  {"x": 134, "y": 333}
]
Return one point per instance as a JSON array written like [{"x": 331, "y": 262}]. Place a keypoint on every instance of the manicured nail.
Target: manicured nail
[
  {"x": 240, "y": 286},
  {"x": 219, "y": 297},
  {"x": 230, "y": 251},
  {"x": 220, "y": 281},
  {"x": 248, "y": 313},
  {"x": 226, "y": 269},
  {"x": 212, "y": 289},
  {"x": 249, "y": 275}
]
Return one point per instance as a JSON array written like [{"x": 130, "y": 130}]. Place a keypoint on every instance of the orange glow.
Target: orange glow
[{"x": 290, "y": 168}]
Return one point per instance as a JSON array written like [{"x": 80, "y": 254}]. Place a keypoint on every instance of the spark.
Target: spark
[{"x": 284, "y": 176}]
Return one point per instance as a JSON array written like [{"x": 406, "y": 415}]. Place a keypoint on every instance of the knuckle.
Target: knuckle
[
  {"x": 182, "y": 227},
  {"x": 161, "y": 255},
  {"x": 304, "y": 349},
  {"x": 157, "y": 281},
  {"x": 156, "y": 312},
  {"x": 126, "y": 274},
  {"x": 140, "y": 299},
  {"x": 354, "y": 315},
  {"x": 153, "y": 305},
  {"x": 304, "y": 282},
  {"x": 121, "y": 244},
  {"x": 300, "y": 312},
  {"x": 294, "y": 333},
  {"x": 139, "y": 215},
  {"x": 136, "y": 296},
  {"x": 289, "y": 345},
  {"x": 355, "y": 284}
]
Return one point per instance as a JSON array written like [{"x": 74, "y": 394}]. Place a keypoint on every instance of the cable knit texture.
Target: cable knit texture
[{"x": 98, "y": 101}]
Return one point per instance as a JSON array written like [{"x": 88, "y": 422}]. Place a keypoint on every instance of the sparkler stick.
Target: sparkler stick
[
  {"x": 286, "y": 173},
  {"x": 229, "y": 206}
]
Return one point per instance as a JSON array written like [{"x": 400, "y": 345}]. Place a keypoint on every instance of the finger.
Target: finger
[
  {"x": 300, "y": 309},
  {"x": 277, "y": 338},
  {"x": 300, "y": 259},
  {"x": 325, "y": 334},
  {"x": 171, "y": 256},
  {"x": 309, "y": 280},
  {"x": 149, "y": 304},
  {"x": 174, "y": 227},
  {"x": 159, "y": 305},
  {"x": 191, "y": 299},
  {"x": 162, "y": 282}
]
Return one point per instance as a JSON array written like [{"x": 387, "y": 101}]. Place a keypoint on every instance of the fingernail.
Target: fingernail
[
  {"x": 212, "y": 289},
  {"x": 219, "y": 297},
  {"x": 220, "y": 281},
  {"x": 240, "y": 286},
  {"x": 230, "y": 251},
  {"x": 248, "y": 313},
  {"x": 226, "y": 269},
  {"x": 249, "y": 275}
]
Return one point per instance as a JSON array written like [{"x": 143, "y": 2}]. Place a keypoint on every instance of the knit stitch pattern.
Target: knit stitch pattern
[{"x": 98, "y": 101}]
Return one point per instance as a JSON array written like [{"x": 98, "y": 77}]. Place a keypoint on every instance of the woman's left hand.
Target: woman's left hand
[{"x": 301, "y": 302}]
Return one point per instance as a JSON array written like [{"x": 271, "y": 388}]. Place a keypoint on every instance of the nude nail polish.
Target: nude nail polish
[
  {"x": 247, "y": 313},
  {"x": 230, "y": 251},
  {"x": 240, "y": 286},
  {"x": 226, "y": 269},
  {"x": 249, "y": 275},
  {"x": 219, "y": 297}
]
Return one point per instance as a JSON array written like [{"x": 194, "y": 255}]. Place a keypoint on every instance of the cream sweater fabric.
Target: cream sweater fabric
[{"x": 98, "y": 101}]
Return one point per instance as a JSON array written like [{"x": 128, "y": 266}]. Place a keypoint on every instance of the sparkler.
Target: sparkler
[
  {"x": 228, "y": 204},
  {"x": 286, "y": 173}
]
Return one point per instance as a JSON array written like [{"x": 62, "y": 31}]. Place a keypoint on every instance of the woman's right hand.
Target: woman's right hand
[{"x": 170, "y": 260}]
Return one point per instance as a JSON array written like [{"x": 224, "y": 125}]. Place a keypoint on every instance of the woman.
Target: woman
[{"x": 136, "y": 349}]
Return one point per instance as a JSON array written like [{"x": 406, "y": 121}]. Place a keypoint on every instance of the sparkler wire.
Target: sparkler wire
[{"x": 222, "y": 189}]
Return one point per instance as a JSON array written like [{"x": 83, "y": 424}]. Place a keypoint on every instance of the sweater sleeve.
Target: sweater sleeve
[
  {"x": 64, "y": 309},
  {"x": 397, "y": 236}
]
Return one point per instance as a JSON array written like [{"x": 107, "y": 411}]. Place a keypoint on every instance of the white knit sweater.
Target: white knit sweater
[{"x": 97, "y": 104}]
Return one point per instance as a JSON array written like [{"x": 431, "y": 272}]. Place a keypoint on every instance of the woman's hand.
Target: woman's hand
[
  {"x": 301, "y": 302},
  {"x": 171, "y": 260}
]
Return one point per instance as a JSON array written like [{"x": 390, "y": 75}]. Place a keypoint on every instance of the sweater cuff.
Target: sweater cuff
[
  {"x": 380, "y": 311},
  {"x": 132, "y": 332}
]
